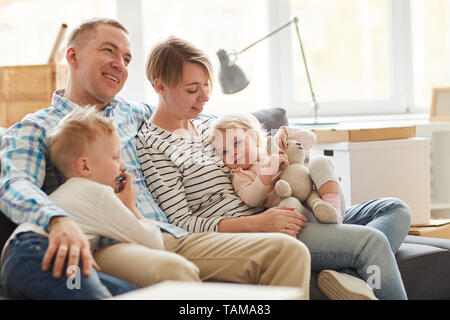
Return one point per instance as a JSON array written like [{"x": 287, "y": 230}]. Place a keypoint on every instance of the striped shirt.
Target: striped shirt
[
  {"x": 27, "y": 177},
  {"x": 190, "y": 183}
]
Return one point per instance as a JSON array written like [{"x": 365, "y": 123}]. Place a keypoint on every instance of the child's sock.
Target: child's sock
[
  {"x": 333, "y": 199},
  {"x": 324, "y": 211}
]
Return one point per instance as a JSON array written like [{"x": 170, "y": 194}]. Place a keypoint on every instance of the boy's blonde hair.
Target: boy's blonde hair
[
  {"x": 75, "y": 134},
  {"x": 243, "y": 121},
  {"x": 166, "y": 60}
]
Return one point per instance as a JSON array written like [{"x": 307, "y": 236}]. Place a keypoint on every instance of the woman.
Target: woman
[{"x": 192, "y": 185}]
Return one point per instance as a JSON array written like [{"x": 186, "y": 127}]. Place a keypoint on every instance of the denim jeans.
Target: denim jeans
[
  {"x": 363, "y": 245},
  {"x": 22, "y": 277}
]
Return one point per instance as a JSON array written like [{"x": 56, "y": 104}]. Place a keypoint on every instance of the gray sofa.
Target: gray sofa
[{"x": 424, "y": 263}]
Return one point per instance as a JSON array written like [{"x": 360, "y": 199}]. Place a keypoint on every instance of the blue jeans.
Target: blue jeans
[
  {"x": 364, "y": 244},
  {"x": 22, "y": 277}
]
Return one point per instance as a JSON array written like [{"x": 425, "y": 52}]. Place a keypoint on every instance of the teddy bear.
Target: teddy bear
[{"x": 296, "y": 187}]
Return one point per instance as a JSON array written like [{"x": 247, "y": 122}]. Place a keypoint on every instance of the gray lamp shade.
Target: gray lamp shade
[{"x": 231, "y": 77}]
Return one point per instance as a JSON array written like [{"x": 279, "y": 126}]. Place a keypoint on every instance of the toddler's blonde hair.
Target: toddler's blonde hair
[
  {"x": 244, "y": 121},
  {"x": 75, "y": 134}
]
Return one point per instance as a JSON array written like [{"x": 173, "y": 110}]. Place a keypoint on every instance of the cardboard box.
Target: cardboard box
[
  {"x": 26, "y": 89},
  {"x": 437, "y": 228},
  {"x": 364, "y": 134}
]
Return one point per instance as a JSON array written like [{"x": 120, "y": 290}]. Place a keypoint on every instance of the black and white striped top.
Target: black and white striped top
[{"x": 188, "y": 181}]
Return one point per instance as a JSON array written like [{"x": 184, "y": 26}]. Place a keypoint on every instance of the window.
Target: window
[
  {"x": 347, "y": 50},
  {"x": 212, "y": 25},
  {"x": 430, "y": 21},
  {"x": 348, "y": 44},
  {"x": 28, "y": 28},
  {"x": 364, "y": 56}
]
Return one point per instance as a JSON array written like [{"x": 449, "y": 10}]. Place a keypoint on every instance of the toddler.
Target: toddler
[
  {"x": 238, "y": 139},
  {"x": 97, "y": 194}
]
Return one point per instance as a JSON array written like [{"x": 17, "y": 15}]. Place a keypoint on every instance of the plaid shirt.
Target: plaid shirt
[{"x": 26, "y": 177}]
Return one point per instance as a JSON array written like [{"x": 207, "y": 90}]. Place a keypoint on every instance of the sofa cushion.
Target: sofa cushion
[
  {"x": 425, "y": 267},
  {"x": 271, "y": 119}
]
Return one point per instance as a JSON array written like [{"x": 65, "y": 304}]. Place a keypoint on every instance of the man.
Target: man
[
  {"x": 22, "y": 178},
  {"x": 98, "y": 55}
]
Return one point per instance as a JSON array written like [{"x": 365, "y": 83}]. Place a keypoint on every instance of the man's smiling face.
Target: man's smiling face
[{"x": 102, "y": 63}]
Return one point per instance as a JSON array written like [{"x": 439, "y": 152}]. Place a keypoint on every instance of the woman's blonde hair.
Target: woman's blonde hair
[
  {"x": 166, "y": 60},
  {"x": 75, "y": 134}
]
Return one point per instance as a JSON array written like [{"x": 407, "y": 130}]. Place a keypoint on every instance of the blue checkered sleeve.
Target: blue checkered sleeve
[{"x": 23, "y": 170}]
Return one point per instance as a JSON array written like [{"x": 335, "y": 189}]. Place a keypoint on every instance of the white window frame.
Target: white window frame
[
  {"x": 401, "y": 99},
  {"x": 281, "y": 77},
  {"x": 129, "y": 12}
]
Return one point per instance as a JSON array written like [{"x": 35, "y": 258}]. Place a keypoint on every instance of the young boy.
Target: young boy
[{"x": 85, "y": 148}]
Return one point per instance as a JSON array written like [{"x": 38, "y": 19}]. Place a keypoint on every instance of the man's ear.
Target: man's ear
[
  {"x": 71, "y": 56},
  {"x": 82, "y": 167},
  {"x": 160, "y": 86}
]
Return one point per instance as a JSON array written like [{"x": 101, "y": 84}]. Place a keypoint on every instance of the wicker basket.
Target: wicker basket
[{"x": 26, "y": 89}]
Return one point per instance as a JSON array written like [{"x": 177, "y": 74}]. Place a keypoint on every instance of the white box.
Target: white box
[{"x": 387, "y": 168}]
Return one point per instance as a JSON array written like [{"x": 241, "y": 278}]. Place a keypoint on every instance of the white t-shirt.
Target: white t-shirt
[{"x": 99, "y": 212}]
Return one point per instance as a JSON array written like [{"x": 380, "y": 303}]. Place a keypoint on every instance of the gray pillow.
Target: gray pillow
[{"x": 271, "y": 119}]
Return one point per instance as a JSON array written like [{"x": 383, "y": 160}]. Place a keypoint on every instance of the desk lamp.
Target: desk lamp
[{"x": 233, "y": 79}]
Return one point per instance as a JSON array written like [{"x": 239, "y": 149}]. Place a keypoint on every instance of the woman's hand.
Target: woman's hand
[
  {"x": 127, "y": 194},
  {"x": 280, "y": 219}
]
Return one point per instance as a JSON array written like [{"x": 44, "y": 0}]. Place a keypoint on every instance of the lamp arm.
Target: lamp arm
[
  {"x": 295, "y": 21},
  {"x": 224, "y": 57},
  {"x": 269, "y": 35},
  {"x": 313, "y": 96}
]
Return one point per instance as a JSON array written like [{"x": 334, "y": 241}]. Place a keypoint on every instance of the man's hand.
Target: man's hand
[{"x": 67, "y": 241}]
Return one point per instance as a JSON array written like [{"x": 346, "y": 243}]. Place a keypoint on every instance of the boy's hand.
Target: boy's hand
[{"x": 127, "y": 194}]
